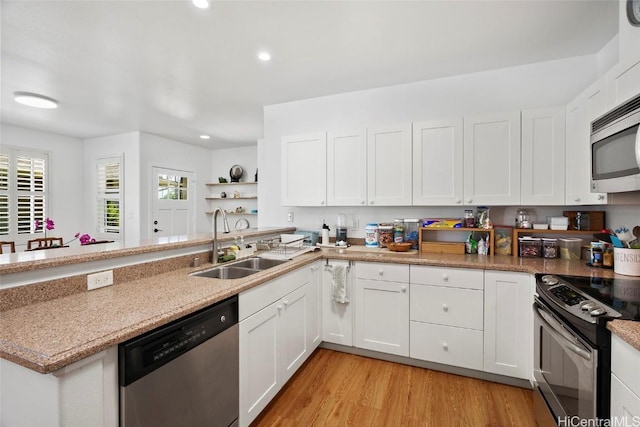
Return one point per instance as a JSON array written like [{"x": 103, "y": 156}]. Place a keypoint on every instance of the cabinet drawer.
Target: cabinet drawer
[
  {"x": 455, "y": 277},
  {"x": 447, "y": 306},
  {"x": 380, "y": 271},
  {"x": 624, "y": 363},
  {"x": 446, "y": 344}
]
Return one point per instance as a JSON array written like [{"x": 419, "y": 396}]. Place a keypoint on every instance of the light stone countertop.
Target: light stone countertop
[{"x": 49, "y": 335}]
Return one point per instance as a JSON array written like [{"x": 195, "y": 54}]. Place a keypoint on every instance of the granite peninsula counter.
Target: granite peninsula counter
[{"x": 50, "y": 334}]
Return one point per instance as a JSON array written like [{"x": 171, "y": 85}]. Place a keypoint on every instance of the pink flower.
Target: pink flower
[
  {"x": 76, "y": 235},
  {"x": 50, "y": 224},
  {"x": 36, "y": 224},
  {"x": 85, "y": 239}
]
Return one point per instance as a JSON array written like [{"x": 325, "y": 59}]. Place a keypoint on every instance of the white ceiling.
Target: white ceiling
[{"x": 167, "y": 68}]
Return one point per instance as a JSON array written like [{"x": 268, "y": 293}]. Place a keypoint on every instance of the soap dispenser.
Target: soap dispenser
[{"x": 325, "y": 234}]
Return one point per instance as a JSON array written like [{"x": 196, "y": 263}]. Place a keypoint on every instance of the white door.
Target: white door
[
  {"x": 382, "y": 316},
  {"x": 543, "y": 156},
  {"x": 173, "y": 202},
  {"x": 492, "y": 159},
  {"x": 389, "y": 165},
  {"x": 508, "y": 321},
  {"x": 259, "y": 362},
  {"x": 437, "y": 162},
  {"x": 347, "y": 168},
  {"x": 304, "y": 170}
]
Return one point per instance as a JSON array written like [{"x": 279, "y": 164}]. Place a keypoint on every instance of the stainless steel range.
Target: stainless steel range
[{"x": 572, "y": 346}]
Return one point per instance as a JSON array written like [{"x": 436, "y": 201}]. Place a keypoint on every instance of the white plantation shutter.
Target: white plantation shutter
[
  {"x": 5, "y": 215},
  {"x": 109, "y": 195},
  {"x": 23, "y": 191}
]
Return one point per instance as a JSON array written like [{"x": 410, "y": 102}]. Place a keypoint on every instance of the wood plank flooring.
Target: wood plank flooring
[{"x": 339, "y": 389}]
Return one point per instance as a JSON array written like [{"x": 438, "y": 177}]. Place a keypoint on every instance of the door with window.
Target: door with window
[{"x": 173, "y": 195}]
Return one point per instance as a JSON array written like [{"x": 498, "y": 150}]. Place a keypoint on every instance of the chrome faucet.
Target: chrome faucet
[{"x": 216, "y": 245}]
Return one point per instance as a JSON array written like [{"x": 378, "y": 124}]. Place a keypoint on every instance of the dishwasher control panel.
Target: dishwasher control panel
[{"x": 147, "y": 352}]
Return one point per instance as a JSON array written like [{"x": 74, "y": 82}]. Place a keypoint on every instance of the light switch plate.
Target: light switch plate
[{"x": 99, "y": 280}]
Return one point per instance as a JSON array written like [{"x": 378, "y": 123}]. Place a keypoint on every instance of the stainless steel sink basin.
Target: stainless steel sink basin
[
  {"x": 239, "y": 269},
  {"x": 258, "y": 263},
  {"x": 226, "y": 272}
]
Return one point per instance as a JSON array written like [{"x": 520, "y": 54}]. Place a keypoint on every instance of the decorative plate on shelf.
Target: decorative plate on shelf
[{"x": 242, "y": 224}]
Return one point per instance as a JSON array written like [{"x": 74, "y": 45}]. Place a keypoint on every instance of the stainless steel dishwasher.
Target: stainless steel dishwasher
[{"x": 184, "y": 373}]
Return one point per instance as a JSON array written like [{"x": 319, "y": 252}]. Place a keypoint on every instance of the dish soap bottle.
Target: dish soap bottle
[{"x": 325, "y": 234}]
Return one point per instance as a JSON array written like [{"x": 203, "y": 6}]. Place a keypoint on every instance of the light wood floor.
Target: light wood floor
[{"x": 339, "y": 389}]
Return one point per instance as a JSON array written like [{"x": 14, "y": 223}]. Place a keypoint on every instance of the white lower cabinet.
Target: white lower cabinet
[
  {"x": 508, "y": 331},
  {"x": 446, "y": 315},
  {"x": 625, "y": 383},
  {"x": 382, "y": 308},
  {"x": 278, "y": 338},
  {"x": 337, "y": 317}
]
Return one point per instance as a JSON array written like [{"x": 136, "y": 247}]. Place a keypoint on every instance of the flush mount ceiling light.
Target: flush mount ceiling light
[
  {"x": 205, "y": 137},
  {"x": 201, "y": 4},
  {"x": 264, "y": 56},
  {"x": 35, "y": 100}
]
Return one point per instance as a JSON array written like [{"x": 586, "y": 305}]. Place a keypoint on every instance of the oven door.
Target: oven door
[{"x": 565, "y": 366}]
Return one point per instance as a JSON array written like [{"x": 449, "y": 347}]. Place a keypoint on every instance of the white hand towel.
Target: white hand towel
[{"x": 339, "y": 284}]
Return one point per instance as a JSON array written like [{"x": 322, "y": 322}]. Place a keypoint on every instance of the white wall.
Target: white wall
[
  {"x": 222, "y": 160},
  {"x": 157, "y": 151},
  {"x": 128, "y": 146},
  {"x": 66, "y": 191},
  {"x": 545, "y": 84}
]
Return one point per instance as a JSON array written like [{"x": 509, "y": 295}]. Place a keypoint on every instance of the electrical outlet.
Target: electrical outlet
[
  {"x": 290, "y": 217},
  {"x": 99, "y": 280}
]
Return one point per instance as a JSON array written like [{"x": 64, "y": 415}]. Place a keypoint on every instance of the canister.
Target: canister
[
  {"x": 398, "y": 230},
  {"x": 371, "y": 235},
  {"x": 385, "y": 235},
  {"x": 411, "y": 232}
]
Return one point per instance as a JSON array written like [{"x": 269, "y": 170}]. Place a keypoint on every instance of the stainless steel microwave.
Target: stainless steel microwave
[{"x": 615, "y": 149}]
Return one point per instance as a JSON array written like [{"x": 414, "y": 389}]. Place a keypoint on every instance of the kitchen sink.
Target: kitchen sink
[
  {"x": 258, "y": 263},
  {"x": 226, "y": 272},
  {"x": 239, "y": 269}
]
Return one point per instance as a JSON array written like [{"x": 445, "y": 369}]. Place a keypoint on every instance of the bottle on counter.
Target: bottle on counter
[
  {"x": 325, "y": 234},
  {"x": 411, "y": 232},
  {"x": 469, "y": 219},
  {"x": 371, "y": 235},
  {"x": 398, "y": 230}
]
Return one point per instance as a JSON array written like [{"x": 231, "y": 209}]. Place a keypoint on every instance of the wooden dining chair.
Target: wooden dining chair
[
  {"x": 44, "y": 242},
  {"x": 12, "y": 246}
]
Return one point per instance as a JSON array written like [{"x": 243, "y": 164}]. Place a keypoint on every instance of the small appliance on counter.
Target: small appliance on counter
[{"x": 341, "y": 230}]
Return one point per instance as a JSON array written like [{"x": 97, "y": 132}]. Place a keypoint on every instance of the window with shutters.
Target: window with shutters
[
  {"x": 109, "y": 196},
  {"x": 23, "y": 192}
]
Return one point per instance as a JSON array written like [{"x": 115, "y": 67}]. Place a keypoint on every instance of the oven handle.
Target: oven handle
[{"x": 558, "y": 332}]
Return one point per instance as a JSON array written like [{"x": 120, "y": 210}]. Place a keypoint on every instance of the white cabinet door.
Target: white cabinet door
[
  {"x": 337, "y": 318},
  {"x": 508, "y": 330},
  {"x": 315, "y": 307},
  {"x": 304, "y": 170},
  {"x": 492, "y": 159},
  {"x": 625, "y": 405},
  {"x": 389, "y": 165},
  {"x": 625, "y": 380},
  {"x": 382, "y": 316},
  {"x": 438, "y": 162},
  {"x": 259, "y": 362},
  {"x": 347, "y": 168},
  {"x": 579, "y": 113},
  {"x": 624, "y": 82},
  {"x": 543, "y": 157},
  {"x": 293, "y": 325}
]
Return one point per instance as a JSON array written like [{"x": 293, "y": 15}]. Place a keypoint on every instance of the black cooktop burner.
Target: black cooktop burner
[{"x": 623, "y": 295}]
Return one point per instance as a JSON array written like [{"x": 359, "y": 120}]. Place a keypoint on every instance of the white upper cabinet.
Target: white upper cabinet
[
  {"x": 347, "y": 168},
  {"x": 624, "y": 82},
  {"x": 438, "y": 162},
  {"x": 579, "y": 114},
  {"x": 543, "y": 157},
  {"x": 304, "y": 170},
  {"x": 492, "y": 159},
  {"x": 389, "y": 165}
]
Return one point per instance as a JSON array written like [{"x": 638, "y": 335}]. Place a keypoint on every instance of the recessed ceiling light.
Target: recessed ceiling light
[
  {"x": 205, "y": 137},
  {"x": 202, "y": 4},
  {"x": 264, "y": 56},
  {"x": 34, "y": 100}
]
